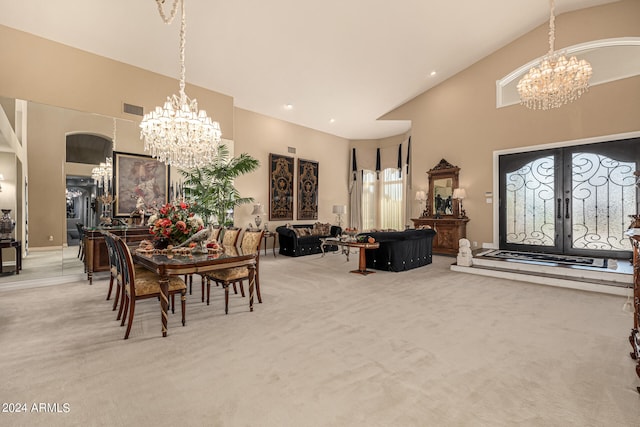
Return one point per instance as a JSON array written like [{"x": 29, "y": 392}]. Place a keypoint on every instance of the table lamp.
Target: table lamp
[
  {"x": 339, "y": 210},
  {"x": 257, "y": 211},
  {"x": 460, "y": 193},
  {"x": 421, "y": 196}
]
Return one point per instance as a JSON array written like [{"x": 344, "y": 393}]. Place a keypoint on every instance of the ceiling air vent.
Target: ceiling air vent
[
  {"x": 292, "y": 150},
  {"x": 133, "y": 109}
]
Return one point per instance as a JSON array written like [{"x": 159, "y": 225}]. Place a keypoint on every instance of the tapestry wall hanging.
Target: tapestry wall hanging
[
  {"x": 138, "y": 176},
  {"x": 307, "y": 189},
  {"x": 281, "y": 187}
]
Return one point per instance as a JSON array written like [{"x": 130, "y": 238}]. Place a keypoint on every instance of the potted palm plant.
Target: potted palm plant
[{"x": 211, "y": 187}]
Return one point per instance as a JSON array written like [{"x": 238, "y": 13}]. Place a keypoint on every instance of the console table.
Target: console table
[
  {"x": 17, "y": 244},
  {"x": 96, "y": 255},
  {"x": 449, "y": 230}
]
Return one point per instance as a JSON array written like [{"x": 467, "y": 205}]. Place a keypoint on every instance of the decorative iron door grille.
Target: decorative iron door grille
[{"x": 574, "y": 200}]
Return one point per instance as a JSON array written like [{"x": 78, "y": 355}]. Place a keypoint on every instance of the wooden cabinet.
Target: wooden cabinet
[
  {"x": 449, "y": 230},
  {"x": 96, "y": 255}
]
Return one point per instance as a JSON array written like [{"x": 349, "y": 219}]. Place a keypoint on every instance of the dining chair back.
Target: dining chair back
[
  {"x": 215, "y": 233},
  {"x": 80, "y": 228},
  {"x": 114, "y": 267},
  {"x": 251, "y": 240},
  {"x": 230, "y": 236},
  {"x": 143, "y": 285},
  {"x": 188, "y": 278}
]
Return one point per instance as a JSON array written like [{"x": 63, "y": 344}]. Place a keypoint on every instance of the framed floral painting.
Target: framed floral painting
[{"x": 139, "y": 179}]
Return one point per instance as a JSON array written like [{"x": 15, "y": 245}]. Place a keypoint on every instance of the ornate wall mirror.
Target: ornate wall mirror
[{"x": 443, "y": 179}]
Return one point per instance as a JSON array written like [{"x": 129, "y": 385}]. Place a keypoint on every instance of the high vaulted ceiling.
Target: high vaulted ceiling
[{"x": 347, "y": 60}]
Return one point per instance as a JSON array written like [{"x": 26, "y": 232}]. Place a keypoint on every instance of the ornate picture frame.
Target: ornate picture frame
[
  {"x": 138, "y": 176},
  {"x": 280, "y": 187},
  {"x": 308, "y": 189}
]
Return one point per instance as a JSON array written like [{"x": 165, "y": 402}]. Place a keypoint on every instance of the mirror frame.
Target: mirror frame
[{"x": 443, "y": 170}]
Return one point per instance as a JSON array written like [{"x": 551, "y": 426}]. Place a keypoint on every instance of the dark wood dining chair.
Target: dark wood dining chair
[
  {"x": 81, "y": 251},
  {"x": 230, "y": 237},
  {"x": 137, "y": 287},
  {"x": 214, "y": 236},
  {"x": 116, "y": 274},
  {"x": 251, "y": 241}
]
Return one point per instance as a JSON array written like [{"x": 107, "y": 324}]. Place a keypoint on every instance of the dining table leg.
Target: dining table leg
[{"x": 164, "y": 302}]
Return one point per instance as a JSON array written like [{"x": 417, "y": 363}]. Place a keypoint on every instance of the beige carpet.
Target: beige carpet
[{"x": 428, "y": 347}]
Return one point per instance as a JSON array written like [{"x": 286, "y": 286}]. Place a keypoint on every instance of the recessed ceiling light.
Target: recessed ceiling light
[
  {"x": 332, "y": 120},
  {"x": 288, "y": 106},
  {"x": 433, "y": 73}
]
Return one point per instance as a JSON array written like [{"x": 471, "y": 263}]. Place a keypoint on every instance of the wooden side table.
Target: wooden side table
[
  {"x": 362, "y": 262},
  {"x": 17, "y": 244},
  {"x": 265, "y": 237}
]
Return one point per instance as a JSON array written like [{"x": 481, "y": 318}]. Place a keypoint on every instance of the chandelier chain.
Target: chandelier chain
[
  {"x": 183, "y": 42},
  {"x": 552, "y": 26},
  {"x": 172, "y": 14},
  {"x": 183, "y": 36},
  {"x": 115, "y": 129},
  {"x": 178, "y": 133}
]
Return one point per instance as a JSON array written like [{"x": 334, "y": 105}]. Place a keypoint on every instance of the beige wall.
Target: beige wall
[
  {"x": 51, "y": 73},
  {"x": 46, "y": 147},
  {"x": 259, "y": 135},
  {"x": 54, "y": 74},
  {"x": 458, "y": 119}
]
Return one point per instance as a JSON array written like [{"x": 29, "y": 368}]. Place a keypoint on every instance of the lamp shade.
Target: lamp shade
[
  {"x": 459, "y": 193},
  {"x": 339, "y": 209},
  {"x": 257, "y": 209},
  {"x": 421, "y": 195}
]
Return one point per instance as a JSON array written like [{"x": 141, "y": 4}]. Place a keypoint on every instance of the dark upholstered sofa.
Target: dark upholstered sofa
[
  {"x": 304, "y": 239},
  {"x": 400, "y": 250}
]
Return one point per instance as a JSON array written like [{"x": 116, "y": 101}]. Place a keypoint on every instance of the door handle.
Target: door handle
[
  {"x": 566, "y": 208},
  {"x": 559, "y": 207}
]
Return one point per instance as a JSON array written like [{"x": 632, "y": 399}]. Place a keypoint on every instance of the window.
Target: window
[
  {"x": 369, "y": 197},
  {"x": 383, "y": 200},
  {"x": 391, "y": 202}
]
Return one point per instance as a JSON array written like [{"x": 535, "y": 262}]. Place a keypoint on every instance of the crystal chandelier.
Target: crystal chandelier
[
  {"x": 102, "y": 174},
  {"x": 178, "y": 134},
  {"x": 557, "y": 81}
]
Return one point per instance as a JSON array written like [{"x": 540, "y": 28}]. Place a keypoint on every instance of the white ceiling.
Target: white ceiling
[{"x": 347, "y": 60}]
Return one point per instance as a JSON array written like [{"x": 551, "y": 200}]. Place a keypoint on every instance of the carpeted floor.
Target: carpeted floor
[{"x": 427, "y": 347}]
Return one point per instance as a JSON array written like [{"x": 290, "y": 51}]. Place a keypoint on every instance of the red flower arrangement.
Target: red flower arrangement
[{"x": 175, "y": 222}]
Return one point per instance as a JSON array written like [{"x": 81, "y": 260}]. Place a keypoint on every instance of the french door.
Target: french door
[{"x": 571, "y": 200}]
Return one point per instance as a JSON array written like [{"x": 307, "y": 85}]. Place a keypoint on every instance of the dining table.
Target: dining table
[{"x": 167, "y": 263}]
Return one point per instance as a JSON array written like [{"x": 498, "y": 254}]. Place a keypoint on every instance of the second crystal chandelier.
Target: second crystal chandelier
[{"x": 557, "y": 81}]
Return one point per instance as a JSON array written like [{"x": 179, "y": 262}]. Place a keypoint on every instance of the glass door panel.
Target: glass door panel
[
  {"x": 574, "y": 200},
  {"x": 603, "y": 195},
  {"x": 528, "y": 210}
]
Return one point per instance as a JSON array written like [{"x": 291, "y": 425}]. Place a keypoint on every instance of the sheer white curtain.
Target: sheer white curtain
[
  {"x": 392, "y": 199},
  {"x": 369, "y": 200},
  {"x": 378, "y": 199}
]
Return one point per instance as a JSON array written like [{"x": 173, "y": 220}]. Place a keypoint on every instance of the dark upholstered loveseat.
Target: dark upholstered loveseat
[
  {"x": 294, "y": 241},
  {"x": 400, "y": 250}
]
